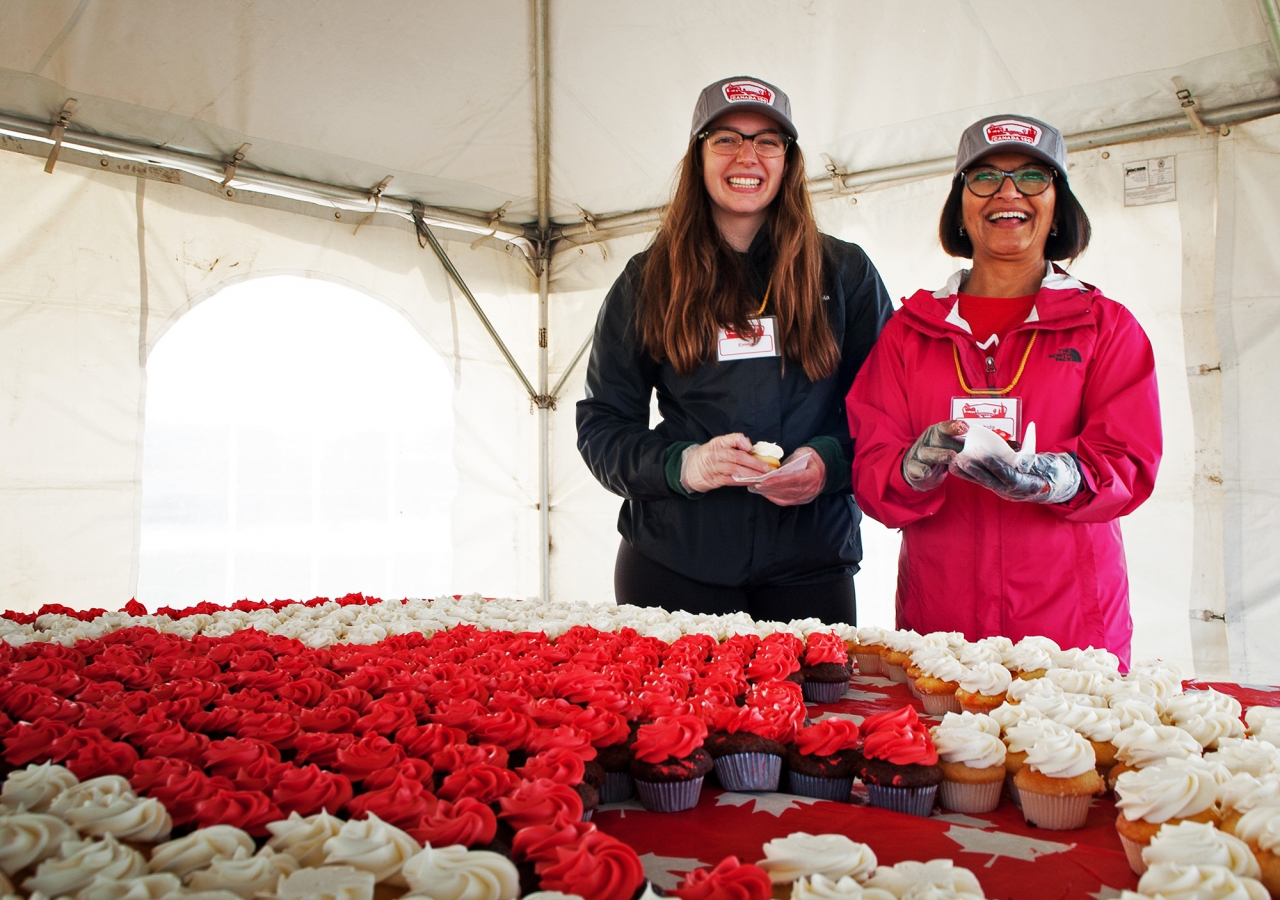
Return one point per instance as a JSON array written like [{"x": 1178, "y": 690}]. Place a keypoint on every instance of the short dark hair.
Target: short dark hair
[{"x": 1068, "y": 216}]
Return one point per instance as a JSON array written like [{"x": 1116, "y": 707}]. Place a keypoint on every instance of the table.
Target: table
[{"x": 1010, "y": 858}]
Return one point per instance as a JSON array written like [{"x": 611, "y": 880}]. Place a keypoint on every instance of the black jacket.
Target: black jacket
[{"x": 729, "y": 536}]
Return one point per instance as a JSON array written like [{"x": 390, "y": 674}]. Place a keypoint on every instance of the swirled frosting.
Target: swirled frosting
[
  {"x": 819, "y": 887},
  {"x": 988, "y": 679},
  {"x": 1171, "y": 881},
  {"x": 29, "y": 838},
  {"x": 245, "y": 874},
  {"x": 79, "y": 862},
  {"x": 969, "y": 746},
  {"x": 456, "y": 873},
  {"x": 831, "y": 855},
  {"x": 979, "y": 721},
  {"x": 129, "y": 818},
  {"x": 156, "y": 886},
  {"x": 1205, "y": 715},
  {"x": 35, "y": 787},
  {"x": 1028, "y": 657},
  {"x": 1006, "y": 715},
  {"x": 1061, "y": 754},
  {"x": 1260, "y": 826},
  {"x": 198, "y": 849},
  {"x": 940, "y": 665},
  {"x": 1178, "y": 789},
  {"x": 101, "y": 791},
  {"x": 1242, "y": 792},
  {"x": 372, "y": 845},
  {"x": 1132, "y": 709},
  {"x": 326, "y": 883},
  {"x": 1142, "y": 745},
  {"x": 905, "y": 877},
  {"x": 303, "y": 837},
  {"x": 1199, "y": 844},
  {"x": 1100, "y": 725},
  {"x": 677, "y": 736},
  {"x": 1252, "y": 756}
]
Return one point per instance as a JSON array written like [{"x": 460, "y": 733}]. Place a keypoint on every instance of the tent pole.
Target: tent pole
[{"x": 542, "y": 113}]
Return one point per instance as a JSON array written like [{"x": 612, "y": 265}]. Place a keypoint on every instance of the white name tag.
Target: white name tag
[
  {"x": 1002, "y": 415},
  {"x": 731, "y": 345}
]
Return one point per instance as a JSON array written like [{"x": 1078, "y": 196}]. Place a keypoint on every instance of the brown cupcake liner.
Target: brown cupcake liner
[
  {"x": 837, "y": 789},
  {"x": 669, "y": 796},
  {"x": 749, "y": 771},
  {"x": 824, "y": 691}
]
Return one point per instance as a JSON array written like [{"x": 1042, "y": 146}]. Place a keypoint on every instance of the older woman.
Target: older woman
[
  {"x": 993, "y": 545},
  {"x": 750, "y": 325}
]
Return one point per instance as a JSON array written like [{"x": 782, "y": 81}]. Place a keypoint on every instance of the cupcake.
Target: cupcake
[
  {"x": 1141, "y": 745},
  {"x": 1263, "y": 723},
  {"x": 1170, "y": 793},
  {"x": 1058, "y": 779},
  {"x": 1260, "y": 829},
  {"x": 867, "y": 651},
  {"x": 1099, "y": 727},
  {"x": 1200, "y": 844},
  {"x": 669, "y": 763},
  {"x": 938, "y": 681},
  {"x": 971, "y": 756},
  {"x": 742, "y": 746},
  {"x": 826, "y": 668},
  {"x": 823, "y": 760},
  {"x": 1243, "y": 792},
  {"x": 729, "y": 878},
  {"x": 1031, "y": 657},
  {"x": 1171, "y": 881},
  {"x": 801, "y": 856},
  {"x": 900, "y": 765},
  {"x": 982, "y": 687},
  {"x": 1205, "y": 715},
  {"x": 935, "y": 878},
  {"x": 896, "y": 654}
]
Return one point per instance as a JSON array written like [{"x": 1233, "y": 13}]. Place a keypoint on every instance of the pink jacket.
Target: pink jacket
[{"x": 970, "y": 560}]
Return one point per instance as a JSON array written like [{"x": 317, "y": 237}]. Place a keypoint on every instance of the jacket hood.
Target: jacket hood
[{"x": 1062, "y": 301}]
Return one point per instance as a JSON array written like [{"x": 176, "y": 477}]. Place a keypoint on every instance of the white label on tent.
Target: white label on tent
[{"x": 1148, "y": 181}]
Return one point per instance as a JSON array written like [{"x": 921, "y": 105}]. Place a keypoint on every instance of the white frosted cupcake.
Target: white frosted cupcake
[
  {"x": 982, "y": 687},
  {"x": 1260, "y": 829},
  {"x": 800, "y": 855},
  {"x": 1264, "y": 723},
  {"x": 1058, "y": 780},
  {"x": 1171, "y": 881},
  {"x": 971, "y": 756},
  {"x": 1200, "y": 844},
  {"x": 916, "y": 878},
  {"x": 1205, "y": 715},
  {"x": 938, "y": 681},
  {"x": 1170, "y": 793}
]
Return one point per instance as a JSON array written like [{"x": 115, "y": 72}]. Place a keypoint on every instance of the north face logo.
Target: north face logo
[{"x": 1069, "y": 354}]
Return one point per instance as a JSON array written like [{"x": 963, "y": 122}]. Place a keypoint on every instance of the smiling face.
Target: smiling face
[
  {"x": 1008, "y": 226},
  {"x": 742, "y": 186}
]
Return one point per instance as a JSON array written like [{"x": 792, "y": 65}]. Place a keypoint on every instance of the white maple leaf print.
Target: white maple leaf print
[
  {"x": 621, "y": 808},
  {"x": 1106, "y": 893},
  {"x": 668, "y": 871},
  {"x": 874, "y": 680},
  {"x": 773, "y": 803},
  {"x": 975, "y": 840},
  {"x": 962, "y": 819},
  {"x": 857, "y": 720}
]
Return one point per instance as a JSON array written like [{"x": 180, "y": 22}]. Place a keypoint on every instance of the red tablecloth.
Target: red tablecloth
[{"x": 1011, "y": 859}]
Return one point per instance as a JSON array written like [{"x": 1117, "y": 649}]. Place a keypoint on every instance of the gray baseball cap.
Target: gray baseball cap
[
  {"x": 1013, "y": 134},
  {"x": 742, "y": 92}
]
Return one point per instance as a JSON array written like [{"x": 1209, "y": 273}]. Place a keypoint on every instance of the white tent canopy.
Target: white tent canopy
[{"x": 135, "y": 227}]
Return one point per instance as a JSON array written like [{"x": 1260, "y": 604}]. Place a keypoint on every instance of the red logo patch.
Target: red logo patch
[
  {"x": 1011, "y": 130},
  {"x": 754, "y": 91}
]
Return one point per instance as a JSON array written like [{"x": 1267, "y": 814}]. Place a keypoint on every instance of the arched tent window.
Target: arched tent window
[{"x": 299, "y": 443}]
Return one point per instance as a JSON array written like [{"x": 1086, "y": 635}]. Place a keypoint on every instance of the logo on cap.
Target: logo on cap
[
  {"x": 1011, "y": 130},
  {"x": 754, "y": 91}
]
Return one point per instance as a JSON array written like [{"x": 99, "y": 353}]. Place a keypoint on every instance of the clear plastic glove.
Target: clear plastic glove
[
  {"x": 796, "y": 485},
  {"x": 705, "y": 467},
  {"x": 1044, "y": 478},
  {"x": 928, "y": 459}
]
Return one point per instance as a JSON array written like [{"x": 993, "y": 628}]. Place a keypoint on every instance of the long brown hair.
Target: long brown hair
[{"x": 693, "y": 281}]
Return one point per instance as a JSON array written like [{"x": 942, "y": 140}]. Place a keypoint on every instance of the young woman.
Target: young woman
[
  {"x": 750, "y": 325},
  {"x": 991, "y": 546}
]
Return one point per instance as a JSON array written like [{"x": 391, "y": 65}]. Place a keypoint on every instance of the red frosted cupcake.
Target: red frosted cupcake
[
  {"x": 900, "y": 765},
  {"x": 823, "y": 760},
  {"x": 669, "y": 763},
  {"x": 826, "y": 668},
  {"x": 728, "y": 879}
]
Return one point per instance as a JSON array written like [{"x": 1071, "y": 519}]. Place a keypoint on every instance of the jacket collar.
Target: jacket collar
[{"x": 1060, "y": 302}]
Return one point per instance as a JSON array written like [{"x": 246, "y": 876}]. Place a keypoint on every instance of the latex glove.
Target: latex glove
[
  {"x": 927, "y": 460},
  {"x": 1044, "y": 478},
  {"x": 705, "y": 467},
  {"x": 798, "y": 487}
]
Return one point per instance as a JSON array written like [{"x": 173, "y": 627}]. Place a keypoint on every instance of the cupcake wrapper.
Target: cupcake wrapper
[
  {"x": 915, "y": 691},
  {"x": 913, "y": 801},
  {"x": 824, "y": 691},
  {"x": 836, "y": 789},
  {"x": 896, "y": 673},
  {"x": 1133, "y": 852},
  {"x": 586, "y": 814},
  {"x": 618, "y": 787},
  {"x": 940, "y": 704},
  {"x": 1054, "y": 813},
  {"x": 1014, "y": 793},
  {"x": 868, "y": 663},
  {"x": 749, "y": 771},
  {"x": 669, "y": 796},
  {"x": 969, "y": 798}
]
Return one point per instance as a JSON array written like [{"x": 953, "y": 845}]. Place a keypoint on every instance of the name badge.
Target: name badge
[
  {"x": 762, "y": 342},
  {"x": 1003, "y": 415}
]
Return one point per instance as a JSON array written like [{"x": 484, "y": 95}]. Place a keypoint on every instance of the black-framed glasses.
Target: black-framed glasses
[
  {"x": 727, "y": 142},
  {"x": 986, "y": 181}
]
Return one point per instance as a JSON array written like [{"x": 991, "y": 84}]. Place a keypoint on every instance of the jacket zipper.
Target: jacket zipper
[{"x": 991, "y": 372}]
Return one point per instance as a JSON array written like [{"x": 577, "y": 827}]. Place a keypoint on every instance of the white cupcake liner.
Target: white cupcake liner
[
  {"x": 824, "y": 691},
  {"x": 962, "y": 797},
  {"x": 836, "y": 789},
  {"x": 869, "y": 663},
  {"x": 1054, "y": 813},
  {"x": 749, "y": 771},
  {"x": 1133, "y": 852},
  {"x": 618, "y": 787},
  {"x": 913, "y": 801},
  {"x": 669, "y": 796},
  {"x": 896, "y": 673},
  {"x": 940, "y": 704}
]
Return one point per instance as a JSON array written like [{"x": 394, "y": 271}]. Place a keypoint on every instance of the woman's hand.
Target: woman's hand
[
  {"x": 798, "y": 487},
  {"x": 713, "y": 464},
  {"x": 926, "y": 462},
  {"x": 1045, "y": 478}
]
